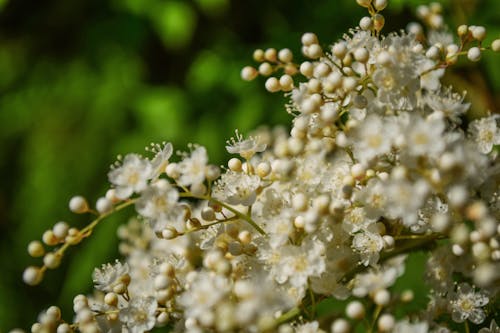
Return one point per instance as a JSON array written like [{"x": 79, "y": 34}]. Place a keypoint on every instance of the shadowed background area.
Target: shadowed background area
[{"x": 84, "y": 80}]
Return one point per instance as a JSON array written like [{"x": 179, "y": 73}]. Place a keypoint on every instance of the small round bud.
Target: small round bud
[
  {"x": 300, "y": 202},
  {"x": 111, "y": 299},
  {"x": 364, "y": 3},
  {"x": 263, "y": 169},
  {"x": 380, "y": 4},
  {"x": 361, "y": 54},
  {"x": 366, "y": 23},
  {"x": 258, "y": 55},
  {"x": 414, "y": 28},
  {"x": 270, "y": 54},
  {"x": 378, "y": 22},
  {"x": 272, "y": 84},
  {"x": 32, "y": 275},
  {"x": 163, "y": 318},
  {"x": 432, "y": 53},
  {"x": 285, "y": 55},
  {"x": 386, "y": 323},
  {"x": 389, "y": 242},
  {"x": 358, "y": 171},
  {"x": 169, "y": 233},
  {"x": 49, "y": 238},
  {"x": 161, "y": 282},
  {"x": 339, "y": 49},
  {"x": 306, "y": 69},
  {"x": 212, "y": 172},
  {"x": 63, "y": 328},
  {"x": 340, "y": 326},
  {"x": 265, "y": 69},
  {"x": 78, "y": 204},
  {"x": 474, "y": 54},
  {"x": 355, "y": 310},
  {"x": 309, "y": 38},
  {"x": 60, "y": 230},
  {"x": 248, "y": 73},
  {"x": 208, "y": 213},
  {"x": 384, "y": 58},
  {"x": 234, "y": 164},
  {"x": 286, "y": 82},
  {"x": 349, "y": 83},
  {"x": 172, "y": 170},
  {"x": 52, "y": 260},
  {"x": 35, "y": 249},
  {"x": 103, "y": 205},
  {"x": 479, "y": 33},
  {"x": 382, "y": 297},
  {"x": 462, "y": 30},
  {"x": 314, "y": 51},
  {"x": 407, "y": 296},
  {"x": 495, "y": 45},
  {"x": 245, "y": 237}
]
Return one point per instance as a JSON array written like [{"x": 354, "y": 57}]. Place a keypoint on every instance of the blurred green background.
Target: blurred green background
[{"x": 84, "y": 80}]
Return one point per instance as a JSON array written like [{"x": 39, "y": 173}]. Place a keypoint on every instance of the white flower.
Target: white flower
[
  {"x": 369, "y": 245},
  {"x": 132, "y": 176},
  {"x": 139, "y": 315},
  {"x": 485, "y": 133},
  {"x": 466, "y": 304},
  {"x": 192, "y": 168},
  {"x": 447, "y": 102},
  {"x": 492, "y": 329},
  {"x": 423, "y": 137},
  {"x": 356, "y": 220},
  {"x": 372, "y": 138},
  {"x": 157, "y": 200},
  {"x": 246, "y": 148},
  {"x": 106, "y": 277},
  {"x": 237, "y": 188},
  {"x": 296, "y": 264},
  {"x": 203, "y": 294},
  {"x": 379, "y": 278},
  {"x": 405, "y": 199},
  {"x": 160, "y": 160},
  {"x": 374, "y": 197}
]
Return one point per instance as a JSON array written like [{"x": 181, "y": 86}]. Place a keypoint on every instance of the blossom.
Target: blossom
[
  {"x": 160, "y": 160},
  {"x": 139, "y": 315},
  {"x": 246, "y": 148},
  {"x": 237, "y": 188},
  {"x": 369, "y": 245},
  {"x": 373, "y": 138},
  {"x": 192, "y": 167},
  {"x": 106, "y": 277},
  {"x": 466, "y": 304},
  {"x": 485, "y": 133},
  {"x": 157, "y": 200},
  {"x": 131, "y": 176}
]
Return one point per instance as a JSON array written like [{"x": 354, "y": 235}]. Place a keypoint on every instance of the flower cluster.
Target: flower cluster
[{"x": 380, "y": 162}]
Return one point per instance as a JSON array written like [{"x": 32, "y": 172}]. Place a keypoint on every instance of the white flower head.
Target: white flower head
[
  {"x": 466, "y": 304},
  {"x": 448, "y": 103},
  {"x": 237, "y": 188},
  {"x": 193, "y": 167},
  {"x": 245, "y": 148},
  {"x": 369, "y": 245},
  {"x": 108, "y": 275},
  {"x": 157, "y": 200},
  {"x": 373, "y": 138},
  {"x": 485, "y": 133},
  {"x": 131, "y": 176},
  {"x": 139, "y": 315},
  {"x": 160, "y": 160}
]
